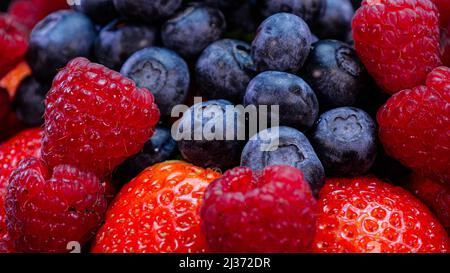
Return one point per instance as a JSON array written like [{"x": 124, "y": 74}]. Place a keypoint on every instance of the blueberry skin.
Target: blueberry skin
[
  {"x": 193, "y": 29},
  {"x": 223, "y": 70},
  {"x": 308, "y": 10},
  {"x": 293, "y": 149},
  {"x": 149, "y": 11},
  {"x": 121, "y": 38},
  {"x": 298, "y": 105},
  {"x": 29, "y": 100},
  {"x": 345, "y": 141},
  {"x": 336, "y": 21},
  {"x": 335, "y": 73},
  {"x": 50, "y": 46},
  {"x": 210, "y": 153},
  {"x": 282, "y": 43},
  {"x": 159, "y": 148},
  {"x": 162, "y": 72},
  {"x": 100, "y": 11}
]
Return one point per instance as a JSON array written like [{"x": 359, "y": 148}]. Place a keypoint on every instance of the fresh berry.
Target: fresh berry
[
  {"x": 224, "y": 70},
  {"x": 204, "y": 132},
  {"x": 51, "y": 48},
  {"x": 284, "y": 146},
  {"x": 48, "y": 208},
  {"x": 362, "y": 215},
  {"x": 29, "y": 101},
  {"x": 434, "y": 194},
  {"x": 5, "y": 105},
  {"x": 13, "y": 43},
  {"x": 345, "y": 140},
  {"x": 272, "y": 210},
  {"x": 336, "y": 21},
  {"x": 398, "y": 41},
  {"x": 193, "y": 29},
  {"x": 95, "y": 118},
  {"x": 30, "y": 12},
  {"x": 120, "y": 39},
  {"x": 282, "y": 43},
  {"x": 100, "y": 11},
  {"x": 444, "y": 11},
  {"x": 12, "y": 80},
  {"x": 157, "y": 212},
  {"x": 308, "y": 10},
  {"x": 336, "y": 74},
  {"x": 298, "y": 106},
  {"x": 147, "y": 10},
  {"x": 159, "y": 148},
  {"x": 414, "y": 126},
  {"x": 161, "y": 71}
]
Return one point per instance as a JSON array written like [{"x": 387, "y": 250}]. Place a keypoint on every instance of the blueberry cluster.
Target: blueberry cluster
[{"x": 294, "y": 54}]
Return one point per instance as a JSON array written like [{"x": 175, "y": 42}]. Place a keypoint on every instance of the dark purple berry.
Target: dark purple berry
[{"x": 29, "y": 100}]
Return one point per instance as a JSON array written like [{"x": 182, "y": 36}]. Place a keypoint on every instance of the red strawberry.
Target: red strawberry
[
  {"x": 95, "y": 118},
  {"x": 158, "y": 211},
  {"x": 262, "y": 211},
  {"x": 13, "y": 44},
  {"x": 368, "y": 215},
  {"x": 48, "y": 208},
  {"x": 414, "y": 126},
  {"x": 434, "y": 194},
  {"x": 398, "y": 41}
]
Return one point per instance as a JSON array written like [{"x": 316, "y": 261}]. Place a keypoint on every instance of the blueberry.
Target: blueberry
[
  {"x": 5, "y": 105},
  {"x": 193, "y": 29},
  {"x": 308, "y": 10},
  {"x": 100, "y": 11},
  {"x": 162, "y": 72},
  {"x": 207, "y": 138},
  {"x": 29, "y": 100},
  {"x": 345, "y": 141},
  {"x": 298, "y": 106},
  {"x": 159, "y": 148},
  {"x": 57, "y": 39},
  {"x": 293, "y": 148},
  {"x": 223, "y": 70},
  {"x": 120, "y": 39},
  {"x": 282, "y": 43},
  {"x": 335, "y": 73},
  {"x": 335, "y": 23},
  {"x": 147, "y": 10}
]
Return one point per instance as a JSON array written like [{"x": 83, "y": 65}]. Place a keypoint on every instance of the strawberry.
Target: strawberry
[
  {"x": 368, "y": 215},
  {"x": 158, "y": 211}
]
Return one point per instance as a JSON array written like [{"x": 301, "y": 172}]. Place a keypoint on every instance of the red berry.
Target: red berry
[
  {"x": 48, "y": 208},
  {"x": 434, "y": 194},
  {"x": 259, "y": 211},
  {"x": 362, "y": 215},
  {"x": 13, "y": 44},
  {"x": 398, "y": 41},
  {"x": 158, "y": 211},
  {"x": 95, "y": 118},
  {"x": 444, "y": 11},
  {"x": 415, "y": 125}
]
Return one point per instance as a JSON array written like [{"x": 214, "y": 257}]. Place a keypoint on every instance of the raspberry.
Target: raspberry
[
  {"x": 261, "y": 211},
  {"x": 95, "y": 118},
  {"x": 415, "y": 125},
  {"x": 361, "y": 215},
  {"x": 48, "y": 208},
  {"x": 158, "y": 211},
  {"x": 398, "y": 41},
  {"x": 13, "y": 44}
]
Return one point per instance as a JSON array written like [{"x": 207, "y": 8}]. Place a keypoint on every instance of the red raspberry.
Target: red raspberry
[
  {"x": 362, "y": 215},
  {"x": 158, "y": 211},
  {"x": 398, "y": 41},
  {"x": 415, "y": 124},
  {"x": 48, "y": 208},
  {"x": 444, "y": 11},
  {"x": 13, "y": 44},
  {"x": 434, "y": 194},
  {"x": 261, "y": 211},
  {"x": 95, "y": 118}
]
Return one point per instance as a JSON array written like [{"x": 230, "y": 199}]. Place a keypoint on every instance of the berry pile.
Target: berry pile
[{"x": 225, "y": 126}]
